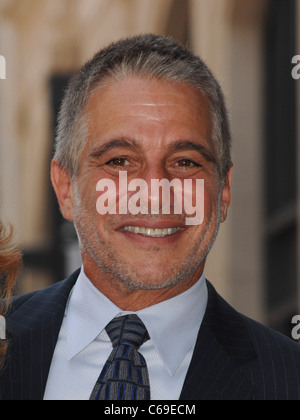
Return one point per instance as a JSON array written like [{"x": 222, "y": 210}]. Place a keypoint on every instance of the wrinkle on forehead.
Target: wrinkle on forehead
[
  {"x": 143, "y": 89},
  {"x": 135, "y": 100}
]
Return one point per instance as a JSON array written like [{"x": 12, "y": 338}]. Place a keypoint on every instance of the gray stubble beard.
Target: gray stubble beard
[{"x": 118, "y": 271}]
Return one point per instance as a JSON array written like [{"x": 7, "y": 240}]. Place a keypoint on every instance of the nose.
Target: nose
[
  {"x": 153, "y": 175},
  {"x": 160, "y": 197}
]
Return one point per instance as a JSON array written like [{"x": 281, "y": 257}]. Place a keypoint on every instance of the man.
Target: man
[{"x": 139, "y": 320}]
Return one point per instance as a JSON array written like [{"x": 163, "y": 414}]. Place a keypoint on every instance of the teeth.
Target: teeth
[{"x": 154, "y": 233}]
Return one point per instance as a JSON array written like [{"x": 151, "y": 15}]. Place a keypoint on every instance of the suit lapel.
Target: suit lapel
[
  {"x": 34, "y": 329},
  {"x": 222, "y": 347}
]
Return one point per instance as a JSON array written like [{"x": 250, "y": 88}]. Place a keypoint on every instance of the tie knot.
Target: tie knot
[{"x": 128, "y": 329}]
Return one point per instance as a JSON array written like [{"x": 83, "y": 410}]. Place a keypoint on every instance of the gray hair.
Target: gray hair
[{"x": 146, "y": 56}]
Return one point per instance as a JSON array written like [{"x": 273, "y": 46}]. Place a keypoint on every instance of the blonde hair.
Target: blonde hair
[{"x": 10, "y": 263}]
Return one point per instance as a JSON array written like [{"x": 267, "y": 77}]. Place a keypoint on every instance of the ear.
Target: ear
[
  {"x": 63, "y": 187},
  {"x": 226, "y": 195}
]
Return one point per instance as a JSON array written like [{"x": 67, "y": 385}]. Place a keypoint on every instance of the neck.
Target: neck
[{"x": 128, "y": 299}]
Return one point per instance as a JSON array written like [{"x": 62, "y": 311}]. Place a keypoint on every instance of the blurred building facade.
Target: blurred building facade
[{"x": 249, "y": 45}]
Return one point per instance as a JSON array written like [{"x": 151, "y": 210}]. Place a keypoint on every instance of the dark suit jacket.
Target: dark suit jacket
[{"x": 235, "y": 358}]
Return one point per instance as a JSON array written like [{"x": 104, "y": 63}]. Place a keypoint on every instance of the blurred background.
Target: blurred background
[{"x": 249, "y": 45}]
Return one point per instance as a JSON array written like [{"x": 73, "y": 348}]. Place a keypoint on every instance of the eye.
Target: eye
[
  {"x": 187, "y": 163},
  {"x": 119, "y": 161}
]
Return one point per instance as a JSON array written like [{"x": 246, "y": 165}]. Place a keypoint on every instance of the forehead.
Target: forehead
[{"x": 140, "y": 107}]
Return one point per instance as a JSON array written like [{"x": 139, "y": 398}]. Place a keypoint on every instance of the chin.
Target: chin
[{"x": 154, "y": 279}]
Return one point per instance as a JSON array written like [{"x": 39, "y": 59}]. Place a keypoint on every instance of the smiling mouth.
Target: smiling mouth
[{"x": 150, "y": 232}]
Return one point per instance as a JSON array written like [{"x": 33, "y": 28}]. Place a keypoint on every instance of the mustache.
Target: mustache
[{"x": 123, "y": 220}]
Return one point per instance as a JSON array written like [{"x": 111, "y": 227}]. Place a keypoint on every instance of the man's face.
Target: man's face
[{"x": 153, "y": 130}]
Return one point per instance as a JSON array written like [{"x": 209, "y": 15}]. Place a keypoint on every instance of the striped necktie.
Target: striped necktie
[{"x": 125, "y": 374}]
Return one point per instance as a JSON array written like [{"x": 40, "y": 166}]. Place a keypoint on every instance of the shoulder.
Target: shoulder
[
  {"x": 40, "y": 305},
  {"x": 260, "y": 335},
  {"x": 60, "y": 288},
  {"x": 272, "y": 344},
  {"x": 276, "y": 369},
  {"x": 269, "y": 359}
]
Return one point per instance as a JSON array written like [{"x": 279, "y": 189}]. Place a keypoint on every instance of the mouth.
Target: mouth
[{"x": 152, "y": 232}]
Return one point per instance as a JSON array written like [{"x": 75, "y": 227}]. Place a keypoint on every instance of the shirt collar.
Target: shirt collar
[{"x": 173, "y": 329}]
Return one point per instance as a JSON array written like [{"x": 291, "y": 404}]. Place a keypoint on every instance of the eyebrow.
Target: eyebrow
[
  {"x": 181, "y": 145},
  {"x": 176, "y": 146},
  {"x": 112, "y": 144}
]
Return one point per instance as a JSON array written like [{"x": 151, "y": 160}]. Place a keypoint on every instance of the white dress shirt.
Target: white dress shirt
[{"x": 83, "y": 345}]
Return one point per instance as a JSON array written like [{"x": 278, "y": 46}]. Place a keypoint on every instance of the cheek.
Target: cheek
[
  {"x": 85, "y": 205},
  {"x": 112, "y": 197},
  {"x": 211, "y": 210},
  {"x": 211, "y": 196}
]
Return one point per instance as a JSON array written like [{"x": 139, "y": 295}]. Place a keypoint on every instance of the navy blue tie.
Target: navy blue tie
[{"x": 125, "y": 374}]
